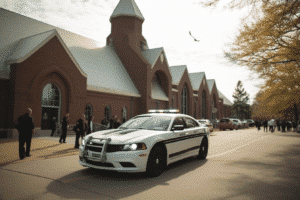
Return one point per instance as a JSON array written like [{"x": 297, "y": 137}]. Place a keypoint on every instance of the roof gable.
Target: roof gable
[
  {"x": 127, "y": 8},
  {"x": 151, "y": 55},
  {"x": 196, "y": 79},
  {"x": 226, "y": 101},
  {"x": 16, "y": 27},
  {"x": 25, "y": 47},
  {"x": 105, "y": 71},
  {"x": 177, "y": 73},
  {"x": 210, "y": 84}
]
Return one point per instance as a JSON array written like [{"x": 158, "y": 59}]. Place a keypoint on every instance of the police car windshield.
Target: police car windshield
[{"x": 157, "y": 123}]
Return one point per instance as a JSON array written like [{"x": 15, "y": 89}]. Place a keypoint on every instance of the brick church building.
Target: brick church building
[{"x": 55, "y": 72}]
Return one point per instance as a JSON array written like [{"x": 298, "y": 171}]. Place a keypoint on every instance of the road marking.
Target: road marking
[{"x": 231, "y": 150}]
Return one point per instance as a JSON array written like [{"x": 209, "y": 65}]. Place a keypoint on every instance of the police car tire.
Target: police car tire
[
  {"x": 156, "y": 162},
  {"x": 203, "y": 149}
]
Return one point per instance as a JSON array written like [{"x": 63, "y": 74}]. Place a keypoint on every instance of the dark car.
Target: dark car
[{"x": 227, "y": 123}]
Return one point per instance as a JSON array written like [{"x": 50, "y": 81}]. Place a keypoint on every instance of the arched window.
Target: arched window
[
  {"x": 185, "y": 100},
  {"x": 51, "y": 105},
  {"x": 124, "y": 114},
  {"x": 88, "y": 111},
  {"x": 107, "y": 112},
  {"x": 203, "y": 104}
]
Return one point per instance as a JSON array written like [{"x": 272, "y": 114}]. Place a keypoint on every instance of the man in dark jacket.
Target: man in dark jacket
[
  {"x": 79, "y": 130},
  {"x": 64, "y": 126},
  {"x": 265, "y": 123},
  {"x": 25, "y": 127}
]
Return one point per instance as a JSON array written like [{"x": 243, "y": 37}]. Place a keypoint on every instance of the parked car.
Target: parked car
[
  {"x": 245, "y": 124},
  {"x": 226, "y": 123},
  {"x": 251, "y": 122},
  {"x": 145, "y": 143},
  {"x": 208, "y": 123},
  {"x": 203, "y": 124},
  {"x": 238, "y": 124}
]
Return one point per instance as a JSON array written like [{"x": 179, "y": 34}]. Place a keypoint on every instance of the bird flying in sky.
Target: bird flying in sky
[{"x": 194, "y": 38}]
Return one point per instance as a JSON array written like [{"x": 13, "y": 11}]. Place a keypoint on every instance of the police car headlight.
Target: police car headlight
[
  {"x": 85, "y": 139},
  {"x": 133, "y": 147}
]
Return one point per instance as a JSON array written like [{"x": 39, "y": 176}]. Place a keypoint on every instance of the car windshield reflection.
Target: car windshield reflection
[{"x": 156, "y": 123}]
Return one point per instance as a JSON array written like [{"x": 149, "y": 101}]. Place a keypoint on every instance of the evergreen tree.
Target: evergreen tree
[{"x": 241, "y": 108}]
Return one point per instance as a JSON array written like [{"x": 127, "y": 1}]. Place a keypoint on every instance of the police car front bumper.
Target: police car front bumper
[{"x": 122, "y": 161}]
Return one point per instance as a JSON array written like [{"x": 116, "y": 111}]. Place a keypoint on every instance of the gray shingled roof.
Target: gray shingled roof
[
  {"x": 225, "y": 100},
  {"x": 105, "y": 71},
  {"x": 15, "y": 27},
  {"x": 196, "y": 79},
  {"x": 157, "y": 91},
  {"x": 151, "y": 55},
  {"x": 210, "y": 84},
  {"x": 127, "y": 8},
  {"x": 29, "y": 45},
  {"x": 25, "y": 47},
  {"x": 177, "y": 72},
  {"x": 103, "y": 68}
]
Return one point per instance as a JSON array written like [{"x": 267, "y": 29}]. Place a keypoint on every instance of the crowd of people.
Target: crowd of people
[
  {"x": 83, "y": 127},
  {"x": 282, "y": 125}
]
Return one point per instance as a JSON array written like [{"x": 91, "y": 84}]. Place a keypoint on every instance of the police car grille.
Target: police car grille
[{"x": 93, "y": 148}]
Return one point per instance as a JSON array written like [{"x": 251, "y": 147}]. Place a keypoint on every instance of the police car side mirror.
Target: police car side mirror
[{"x": 177, "y": 128}]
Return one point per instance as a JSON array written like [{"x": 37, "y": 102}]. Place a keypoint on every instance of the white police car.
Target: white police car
[{"x": 145, "y": 143}]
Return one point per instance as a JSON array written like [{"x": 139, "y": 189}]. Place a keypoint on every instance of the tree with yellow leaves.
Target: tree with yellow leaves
[{"x": 269, "y": 45}]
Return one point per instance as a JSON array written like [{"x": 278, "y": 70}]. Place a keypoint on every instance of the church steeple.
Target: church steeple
[
  {"x": 127, "y": 8},
  {"x": 126, "y": 25}
]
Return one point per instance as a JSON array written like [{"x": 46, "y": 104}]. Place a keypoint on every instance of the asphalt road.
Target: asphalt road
[{"x": 244, "y": 164}]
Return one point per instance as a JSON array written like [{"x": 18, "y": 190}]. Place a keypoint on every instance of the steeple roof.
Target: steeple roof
[{"x": 127, "y": 8}]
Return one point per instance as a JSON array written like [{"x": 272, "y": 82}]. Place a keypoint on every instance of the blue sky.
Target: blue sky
[{"x": 167, "y": 24}]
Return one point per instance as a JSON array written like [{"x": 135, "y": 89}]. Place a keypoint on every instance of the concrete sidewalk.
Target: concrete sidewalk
[{"x": 43, "y": 146}]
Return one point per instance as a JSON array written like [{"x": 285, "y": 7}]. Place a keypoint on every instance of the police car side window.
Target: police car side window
[
  {"x": 190, "y": 122},
  {"x": 178, "y": 121}
]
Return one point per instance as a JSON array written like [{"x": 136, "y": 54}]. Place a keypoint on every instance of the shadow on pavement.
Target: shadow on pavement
[
  {"x": 64, "y": 152},
  {"x": 275, "y": 177},
  {"x": 114, "y": 185}
]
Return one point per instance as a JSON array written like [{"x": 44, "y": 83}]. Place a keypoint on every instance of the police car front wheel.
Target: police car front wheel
[
  {"x": 156, "y": 161},
  {"x": 203, "y": 149}
]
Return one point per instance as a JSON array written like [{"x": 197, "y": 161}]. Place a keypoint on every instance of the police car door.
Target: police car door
[
  {"x": 193, "y": 136},
  {"x": 177, "y": 144}
]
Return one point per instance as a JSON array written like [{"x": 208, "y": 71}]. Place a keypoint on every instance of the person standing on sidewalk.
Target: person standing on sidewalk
[
  {"x": 79, "y": 130},
  {"x": 265, "y": 123},
  {"x": 25, "y": 128},
  {"x": 90, "y": 125},
  {"x": 258, "y": 124},
  {"x": 64, "y": 126}
]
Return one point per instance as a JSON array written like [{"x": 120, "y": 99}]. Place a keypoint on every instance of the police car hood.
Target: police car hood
[{"x": 122, "y": 136}]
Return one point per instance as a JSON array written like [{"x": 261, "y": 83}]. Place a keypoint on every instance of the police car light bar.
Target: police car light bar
[{"x": 164, "y": 111}]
